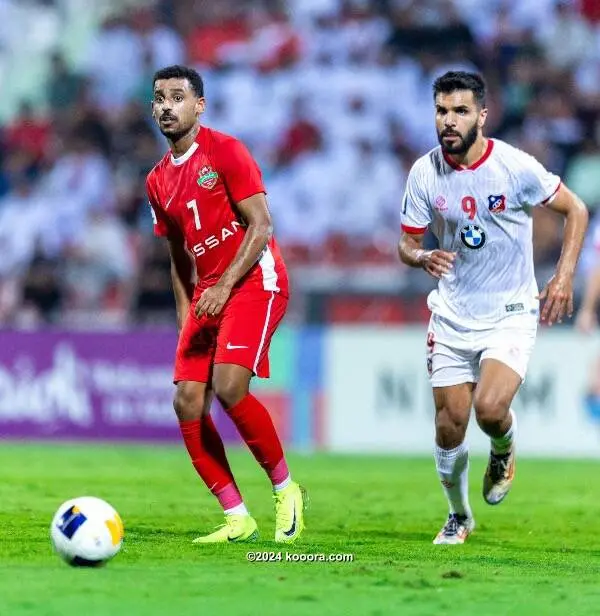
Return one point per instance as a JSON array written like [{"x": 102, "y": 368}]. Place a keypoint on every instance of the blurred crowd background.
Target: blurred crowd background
[{"x": 333, "y": 97}]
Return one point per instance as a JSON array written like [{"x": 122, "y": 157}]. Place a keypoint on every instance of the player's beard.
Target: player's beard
[
  {"x": 174, "y": 135},
  {"x": 177, "y": 132},
  {"x": 463, "y": 145}
]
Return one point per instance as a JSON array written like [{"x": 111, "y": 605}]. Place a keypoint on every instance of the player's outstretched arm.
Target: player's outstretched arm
[
  {"x": 558, "y": 293},
  {"x": 259, "y": 230},
  {"x": 181, "y": 278},
  {"x": 437, "y": 263}
]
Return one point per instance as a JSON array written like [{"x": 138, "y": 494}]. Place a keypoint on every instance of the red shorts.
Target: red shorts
[{"x": 240, "y": 335}]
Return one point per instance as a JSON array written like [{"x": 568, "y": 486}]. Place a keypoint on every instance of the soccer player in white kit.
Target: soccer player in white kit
[{"x": 476, "y": 195}]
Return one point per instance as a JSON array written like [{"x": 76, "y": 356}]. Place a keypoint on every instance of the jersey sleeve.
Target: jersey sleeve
[
  {"x": 416, "y": 213},
  {"x": 537, "y": 185},
  {"x": 161, "y": 223},
  {"x": 240, "y": 171}
]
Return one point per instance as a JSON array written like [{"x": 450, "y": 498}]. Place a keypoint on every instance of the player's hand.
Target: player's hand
[
  {"x": 586, "y": 321},
  {"x": 212, "y": 300},
  {"x": 558, "y": 296},
  {"x": 437, "y": 263}
]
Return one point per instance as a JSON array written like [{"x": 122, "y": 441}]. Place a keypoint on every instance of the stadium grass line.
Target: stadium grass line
[{"x": 535, "y": 554}]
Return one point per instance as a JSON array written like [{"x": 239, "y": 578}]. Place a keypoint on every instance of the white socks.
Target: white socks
[
  {"x": 453, "y": 468},
  {"x": 237, "y": 510},
  {"x": 502, "y": 444},
  {"x": 277, "y": 487}
]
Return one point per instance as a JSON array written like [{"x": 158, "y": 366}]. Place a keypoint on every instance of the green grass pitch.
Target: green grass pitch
[{"x": 535, "y": 554}]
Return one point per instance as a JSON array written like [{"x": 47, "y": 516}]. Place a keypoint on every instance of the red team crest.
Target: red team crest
[
  {"x": 207, "y": 178},
  {"x": 496, "y": 203}
]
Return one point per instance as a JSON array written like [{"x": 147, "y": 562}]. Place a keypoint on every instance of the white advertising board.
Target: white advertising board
[{"x": 378, "y": 398}]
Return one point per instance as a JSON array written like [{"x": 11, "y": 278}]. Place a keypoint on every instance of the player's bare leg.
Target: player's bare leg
[
  {"x": 231, "y": 384},
  {"x": 452, "y": 411},
  {"x": 192, "y": 405},
  {"x": 493, "y": 396}
]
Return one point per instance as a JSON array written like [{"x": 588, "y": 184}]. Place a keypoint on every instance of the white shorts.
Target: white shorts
[{"x": 454, "y": 354}]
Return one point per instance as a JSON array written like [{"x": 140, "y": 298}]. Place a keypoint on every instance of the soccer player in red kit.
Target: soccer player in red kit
[{"x": 208, "y": 200}]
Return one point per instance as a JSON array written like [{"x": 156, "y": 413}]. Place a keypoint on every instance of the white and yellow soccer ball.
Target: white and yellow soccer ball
[{"x": 86, "y": 531}]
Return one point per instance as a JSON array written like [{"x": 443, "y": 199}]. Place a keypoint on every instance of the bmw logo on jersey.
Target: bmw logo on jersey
[{"x": 472, "y": 236}]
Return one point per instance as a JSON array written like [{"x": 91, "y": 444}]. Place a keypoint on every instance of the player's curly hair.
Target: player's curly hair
[
  {"x": 176, "y": 71},
  {"x": 461, "y": 80}
]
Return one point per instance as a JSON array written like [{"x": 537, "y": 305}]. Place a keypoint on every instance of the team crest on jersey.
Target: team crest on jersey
[
  {"x": 472, "y": 236},
  {"x": 207, "y": 178},
  {"x": 496, "y": 203}
]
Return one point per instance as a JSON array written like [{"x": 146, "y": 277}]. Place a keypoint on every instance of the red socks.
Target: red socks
[
  {"x": 206, "y": 450},
  {"x": 256, "y": 427},
  {"x": 208, "y": 457}
]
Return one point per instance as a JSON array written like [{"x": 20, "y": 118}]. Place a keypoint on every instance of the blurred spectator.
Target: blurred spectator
[
  {"x": 42, "y": 295},
  {"x": 431, "y": 26},
  {"x": 583, "y": 173},
  {"x": 552, "y": 118},
  {"x": 103, "y": 257},
  {"x": 80, "y": 181},
  {"x": 163, "y": 44},
  {"x": 16, "y": 165},
  {"x": 114, "y": 61},
  {"x": 220, "y": 27},
  {"x": 154, "y": 300},
  {"x": 591, "y": 10},
  {"x": 519, "y": 91},
  {"x": 87, "y": 121},
  {"x": 369, "y": 203},
  {"x": 300, "y": 136},
  {"x": 24, "y": 220},
  {"x": 63, "y": 85},
  {"x": 134, "y": 142},
  {"x": 565, "y": 36},
  {"x": 28, "y": 133}
]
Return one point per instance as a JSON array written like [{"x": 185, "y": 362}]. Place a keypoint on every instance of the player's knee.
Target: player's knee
[
  {"x": 229, "y": 391},
  {"x": 188, "y": 403},
  {"x": 489, "y": 409},
  {"x": 450, "y": 428}
]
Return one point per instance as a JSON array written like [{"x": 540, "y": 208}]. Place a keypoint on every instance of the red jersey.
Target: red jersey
[{"x": 195, "y": 196}]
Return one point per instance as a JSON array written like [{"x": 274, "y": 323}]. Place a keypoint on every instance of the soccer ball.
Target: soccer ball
[{"x": 86, "y": 531}]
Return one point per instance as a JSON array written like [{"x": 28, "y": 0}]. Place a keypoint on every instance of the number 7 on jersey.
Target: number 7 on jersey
[{"x": 192, "y": 205}]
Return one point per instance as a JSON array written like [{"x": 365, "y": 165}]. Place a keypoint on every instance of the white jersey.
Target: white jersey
[{"x": 483, "y": 214}]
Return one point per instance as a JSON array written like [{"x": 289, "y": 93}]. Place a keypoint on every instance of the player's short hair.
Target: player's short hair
[
  {"x": 176, "y": 71},
  {"x": 461, "y": 80}
]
